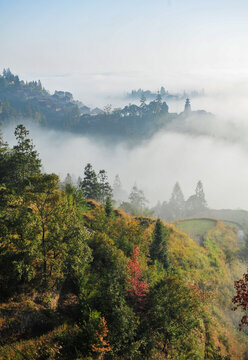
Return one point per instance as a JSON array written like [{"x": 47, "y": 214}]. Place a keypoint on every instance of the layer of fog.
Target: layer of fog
[{"x": 155, "y": 165}]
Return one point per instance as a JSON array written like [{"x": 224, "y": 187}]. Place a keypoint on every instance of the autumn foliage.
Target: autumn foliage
[
  {"x": 102, "y": 345},
  {"x": 241, "y": 299},
  {"x": 137, "y": 287}
]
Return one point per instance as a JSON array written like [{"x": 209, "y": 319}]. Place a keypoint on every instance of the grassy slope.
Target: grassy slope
[
  {"x": 196, "y": 228},
  {"x": 213, "y": 267}
]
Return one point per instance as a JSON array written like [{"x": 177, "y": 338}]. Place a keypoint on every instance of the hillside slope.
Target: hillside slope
[{"x": 47, "y": 325}]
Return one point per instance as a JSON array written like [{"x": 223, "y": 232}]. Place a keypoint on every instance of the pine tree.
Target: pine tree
[
  {"x": 158, "y": 102},
  {"x": 68, "y": 179},
  {"x": 137, "y": 198},
  {"x": 108, "y": 207},
  {"x": 142, "y": 100},
  {"x": 199, "y": 192},
  {"x": 177, "y": 203},
  {"x": 90, "y": 185},
  {"x": 159, "y": 246},
  {"x": 118, "y": 193},
  {"x": 105, "y": 189},
  {"x": 23, "y": 162},
  {"x": 196, "y": 203}
]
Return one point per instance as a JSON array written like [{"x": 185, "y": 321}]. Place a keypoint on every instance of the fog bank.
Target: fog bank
[{"x": 154, "y": 165}]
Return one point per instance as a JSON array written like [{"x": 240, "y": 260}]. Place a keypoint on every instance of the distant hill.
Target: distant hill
[
  {"x": 22, "y": 101},
  {"x": 166, "y": 95}
]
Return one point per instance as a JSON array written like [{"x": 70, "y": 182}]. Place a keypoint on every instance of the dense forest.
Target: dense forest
[
  {"x": 82, "y": 280},
  {"x": 29, "y": 101}
]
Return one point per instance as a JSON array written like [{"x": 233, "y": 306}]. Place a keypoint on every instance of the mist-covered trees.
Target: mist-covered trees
[
  {"x": 177, "y": 203},
  {"x": 137, "y": 203},
  {"x": 137, "y": 197},
  {"x": 177, "y": 207},
  {"x": 119, "y": 194},
  {"x": 197, "y": 202}
]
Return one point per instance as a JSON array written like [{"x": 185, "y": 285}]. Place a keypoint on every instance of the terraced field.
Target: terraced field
[{"x": 196, "y": 228}]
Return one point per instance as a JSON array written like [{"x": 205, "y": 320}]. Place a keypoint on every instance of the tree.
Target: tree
[
  {"x": 3, "y": 145},
  {"x": 196, "y": 203},
  {"x": 240, "y": 300},
  {"x": 107, "y": 109},
  {"x": 162, "y": 91},
  {"x": 172, "y": 314},
  {"x": 137, "y": 286},
  {"x": 3, "y": 152},
  {"x": 95, "y": 186},
  {"x": 62, "y": 237},
  {"x": 142, "y": 100},
  {"x": 108, "y": 207},
  {"x": 68, "y": 179},
  {"x": 105, "y": 189},
  {"x": 90, "y": 185},
  {"x": 23, "y": 161},
  {"x": 177, "y": 203},
  {"x": 102, "y": 344},
  {"x": 159, "y": 246},
  {"x": 158, "y": 102},
  {"x": 137, "y": 198},
  {"x": 199, "y": 192},
  {"x": 118, "y": 193}
]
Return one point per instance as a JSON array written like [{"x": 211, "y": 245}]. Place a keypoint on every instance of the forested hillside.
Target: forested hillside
[
  {"x": 29, "y": 101},
  {"x": 82, "y": 280}
]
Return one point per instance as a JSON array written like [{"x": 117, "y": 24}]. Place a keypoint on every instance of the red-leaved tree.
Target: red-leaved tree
[
  {"x": 137, "y": 286},
  {"x": 241, "y": 298}
]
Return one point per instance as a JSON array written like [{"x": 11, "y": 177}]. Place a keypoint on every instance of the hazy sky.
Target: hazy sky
[{"x": 101, "y": 46}]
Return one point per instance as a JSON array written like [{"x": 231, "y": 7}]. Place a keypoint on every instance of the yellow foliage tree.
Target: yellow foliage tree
[{"x": 102, "y": 344}]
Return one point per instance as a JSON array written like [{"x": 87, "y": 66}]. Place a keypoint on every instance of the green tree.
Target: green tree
[
  {"x": 108, "y": 207},
  {"x": 90, "y": 185},
  {"x": 159, "y": 246},
  {"x": 3, "y": 157},
  {"x": 23, "y": 161},
  {"x": 104, "y": 187},
  {"x": 62, "y": 237},
  {"x": 173, "y": 315},
  {"x": 105, "y": 292}
]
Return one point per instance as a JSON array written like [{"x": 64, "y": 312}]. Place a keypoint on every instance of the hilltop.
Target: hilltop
[{"x": 29, "y": 101}]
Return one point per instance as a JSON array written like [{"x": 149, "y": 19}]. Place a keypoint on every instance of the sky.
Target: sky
[{"x": 98, "y": 47}]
